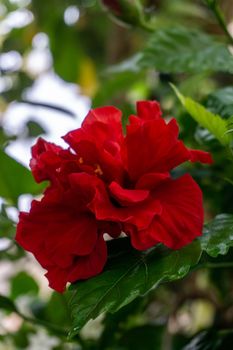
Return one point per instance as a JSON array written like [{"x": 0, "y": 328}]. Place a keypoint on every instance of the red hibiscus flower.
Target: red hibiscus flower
[{"x": 110, "y": 183}]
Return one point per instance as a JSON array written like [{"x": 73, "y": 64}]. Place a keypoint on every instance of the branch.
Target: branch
[{"x": 215, "y": 8}]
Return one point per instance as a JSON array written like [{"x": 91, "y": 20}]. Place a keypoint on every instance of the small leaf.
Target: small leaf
[
  {"x": 34, "y": 129},
  {"x": 7, "y": 228},
  {"x": 126, "y": 277},
  {"x": 218, "y": 235},
  {"x": 7, "y": 304},
  {"x": 23, "y": 284},
  {"x": 182, "y": 50},
  {"x": 15, "y": 179},
  {"x": 212, "y": 122}
]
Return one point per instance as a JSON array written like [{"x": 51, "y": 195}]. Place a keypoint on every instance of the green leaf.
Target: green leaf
[
  {"x": 7, "y": 228},
  {"x": 182, "y": 50},
  {"x": 34, "y": 129},
  {"x": 15, "y": 179},
  {"x": 58, "y": 302},
  {"x": 127, "y": 276},
  {"x": 230, "y": 129},
  {"x": 218, "y": 235},
  {"x": 212, "y": 122},
  {"x": 7, "y": 304},
  {"x": 23, "y": 284}
]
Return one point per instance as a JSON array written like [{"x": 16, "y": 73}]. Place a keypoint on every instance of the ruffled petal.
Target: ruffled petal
[
  {"x": 56, "y": 234},
  {"x": 51, "y": 162},
  {"x": 57, "y": 278},
  {"x": 58, "y": 228},
  {"x": 153, "y": 147},
  {"x": 99, "y": 126},
  {"x": 90, "y": 265},
  {"x": 127, "y": 197},
  {"x": 181, "y": 219},
  {"x": 45, "y": 156},
  {"x": 200, "y": 156},
  {"x": 97, "y": 143},
  {"x": 140, "y": 214},
  {"x": 147, "y": 110},
  {"x": 151, "y": 180},
  {"x": 140, "y": 240}
]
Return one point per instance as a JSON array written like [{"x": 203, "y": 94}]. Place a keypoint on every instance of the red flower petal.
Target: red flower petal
[
  {"x": 97, "y": 143},
  {"x": 147, "y": 110},
  {"x": 127, "y": 197},
  {"x": 57, "y": 278},
  {"x": 140, "y": 240},
  {"x": 56, "y": 235},
  {"x": 152, "y": 180},
  {"x": 91, "y": 265},
  {"x": 181, "y": 219},
  {"x": 100, "y": 125},
  {"x": 200, "y": 156},
  {"x": 58, "y": 229},
  {"x": 153, "y": 147},
  {"x": 51, "y": 162},
  {"x": 44, "y": 157},
  {"x": 141, "y": 214}
]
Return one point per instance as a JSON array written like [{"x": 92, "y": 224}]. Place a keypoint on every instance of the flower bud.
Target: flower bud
[{"x": 126, "y": 11}]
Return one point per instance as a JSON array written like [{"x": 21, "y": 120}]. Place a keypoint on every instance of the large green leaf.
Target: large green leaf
[
  {"x": 127, "y": 276},
  {"x": 15, "y": 179},
  {"x": 212, "y": 122},
  {"x": 182, "y": 50},
  {"x": 218, "y": 235}
]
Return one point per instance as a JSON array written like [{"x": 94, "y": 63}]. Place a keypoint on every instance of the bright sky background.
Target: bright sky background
[
  {"x": 47, "y": 88},
  {"x": 50, "y": 89}
]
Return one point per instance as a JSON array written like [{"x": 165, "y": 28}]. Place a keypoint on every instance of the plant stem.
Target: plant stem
[
  {"x": 53, "y": 328},
  {"x": 214, "y": 6},
  {"x": 143, "y": 25},
  {"x": 217, "y": 265},
  {"x": 45, "y": 324}
]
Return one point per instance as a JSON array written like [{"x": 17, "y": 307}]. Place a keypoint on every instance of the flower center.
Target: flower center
[{"x": 97, "y": 168}]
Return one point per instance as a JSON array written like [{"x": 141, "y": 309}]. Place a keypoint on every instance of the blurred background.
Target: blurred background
[{"x": 59, "y": 58}]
